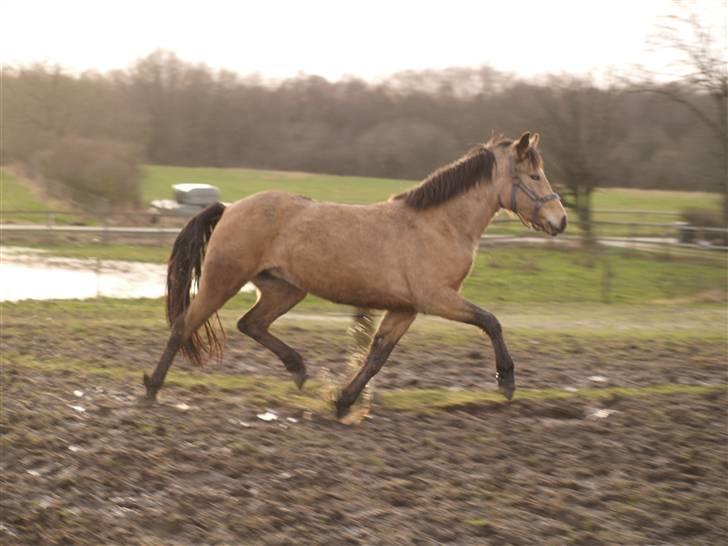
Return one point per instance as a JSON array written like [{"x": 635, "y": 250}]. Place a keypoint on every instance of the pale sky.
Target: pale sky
[{"x": 369, "y": 39}]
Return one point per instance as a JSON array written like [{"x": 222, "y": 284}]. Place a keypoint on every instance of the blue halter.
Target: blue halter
[{"x": 538, "y": 201}]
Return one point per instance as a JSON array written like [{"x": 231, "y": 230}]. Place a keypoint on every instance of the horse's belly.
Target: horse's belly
[
  {"x": 350, "y": 280},
  {"x": 353, "y": 255},
  {"x": 371, "y": 297}
]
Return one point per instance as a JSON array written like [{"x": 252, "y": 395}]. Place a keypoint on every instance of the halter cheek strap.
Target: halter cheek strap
[{"x": 538, "y": 202}]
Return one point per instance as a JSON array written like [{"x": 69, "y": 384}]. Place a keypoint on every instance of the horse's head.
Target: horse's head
[{"x": 527, "y": 191}]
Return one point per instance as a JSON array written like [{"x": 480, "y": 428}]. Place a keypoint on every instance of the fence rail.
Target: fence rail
[{"x": 673, "y": 235}]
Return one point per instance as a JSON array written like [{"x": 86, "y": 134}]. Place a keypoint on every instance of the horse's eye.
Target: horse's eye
[{"x": 535, "y": 177}]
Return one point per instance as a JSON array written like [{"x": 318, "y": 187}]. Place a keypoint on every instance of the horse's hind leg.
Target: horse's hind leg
[
  {"x": 390, "y": 330},
  {"x": 275, "y": 298},
  {"x": 211, "y": 296}
]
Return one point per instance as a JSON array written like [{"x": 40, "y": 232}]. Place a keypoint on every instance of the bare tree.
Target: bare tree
[
  {"x": 703, "y": 64},
  {"x": 579, "y": 129},
  {"x": 188, "y": 114}
]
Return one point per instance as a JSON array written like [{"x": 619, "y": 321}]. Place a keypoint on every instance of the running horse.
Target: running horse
[{"x": 405, "y": 256}]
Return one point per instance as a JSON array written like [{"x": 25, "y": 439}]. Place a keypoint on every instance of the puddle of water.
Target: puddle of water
[{"x": 30, "y": 274}]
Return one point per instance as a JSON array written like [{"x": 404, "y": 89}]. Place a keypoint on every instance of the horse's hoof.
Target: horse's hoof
[
  {"x": 300, "y": 379},
  {"x": 341, "y": 409},
  {"x": 151, "y": 395},
  {"x": 506, "y": 384},
  {"x": 146, "y": 401},
  {"x": 507, "y": 391}
]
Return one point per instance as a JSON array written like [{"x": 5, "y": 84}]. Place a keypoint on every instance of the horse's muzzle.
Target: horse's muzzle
[{"x": 553, "y": 229}]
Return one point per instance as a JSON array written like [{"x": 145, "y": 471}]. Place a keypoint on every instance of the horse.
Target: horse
[{"x": 404, "y": 256}]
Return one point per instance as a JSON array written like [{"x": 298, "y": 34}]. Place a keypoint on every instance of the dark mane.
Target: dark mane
[{"x": 474, "y": 167}]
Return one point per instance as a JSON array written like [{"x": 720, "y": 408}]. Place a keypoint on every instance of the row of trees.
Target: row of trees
[
  {"x": 671, "y": 136},
  {"x": 185, "y": 114}
]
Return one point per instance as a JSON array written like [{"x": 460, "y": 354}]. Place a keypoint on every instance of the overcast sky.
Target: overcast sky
[{"x": 369, "y": 39}]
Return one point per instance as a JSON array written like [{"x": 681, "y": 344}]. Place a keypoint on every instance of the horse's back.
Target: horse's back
[{"x": 250, "y": 226}]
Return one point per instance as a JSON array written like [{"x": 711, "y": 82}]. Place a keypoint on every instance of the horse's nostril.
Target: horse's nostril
[{"x": 563, "y": 224}]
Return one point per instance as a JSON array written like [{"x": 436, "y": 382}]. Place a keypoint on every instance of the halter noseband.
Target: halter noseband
[{"x": 518, "y": 184}]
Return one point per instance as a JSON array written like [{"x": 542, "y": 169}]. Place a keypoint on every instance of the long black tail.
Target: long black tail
[{"x": 184, "y": 267}]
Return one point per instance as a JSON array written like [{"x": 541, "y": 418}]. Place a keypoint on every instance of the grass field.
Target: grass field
[
  {"x": 235, "y": 184},
  {"x": 238, "y": 183},
  {"x": 17, "y": 194},
  {"x": 526, "y": 275}
]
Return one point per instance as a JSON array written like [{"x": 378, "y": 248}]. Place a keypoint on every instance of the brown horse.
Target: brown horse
[{"x": 405, "y": 256}]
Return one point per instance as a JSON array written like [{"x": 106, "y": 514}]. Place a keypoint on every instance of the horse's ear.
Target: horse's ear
[
  {"x": 523, "y": 145},
  {"x": 535, "y": 137}
]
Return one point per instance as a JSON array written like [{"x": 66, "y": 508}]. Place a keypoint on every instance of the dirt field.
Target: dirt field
[{"x": 591, "y": 463}]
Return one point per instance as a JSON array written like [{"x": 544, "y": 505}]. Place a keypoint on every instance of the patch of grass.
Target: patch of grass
[
  {"x": 243, "y": 448},
  {"x": 372, "y": 460},
  {"x": 523, "y": 275},
  {"x": 527, "y": 274},
  {"x": 478, "y": 522},
  {"x": 561, "y": 325},
  {"x": 257, "y": 389},
  {"x": 267, "y": 390},
  {"x": 101, "y": 251},
  {"x": 632, "y": 199},
  {"x": 426, "y": 400},
  {"x": 238, "y": 183},
  {"x": 235, "y": 184},
  {"x": 17, "y": 194}
]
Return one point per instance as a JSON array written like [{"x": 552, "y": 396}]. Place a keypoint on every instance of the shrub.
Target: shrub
[
  {"x": 93, "y": 172},
  {"x": 704, "y": 218}
]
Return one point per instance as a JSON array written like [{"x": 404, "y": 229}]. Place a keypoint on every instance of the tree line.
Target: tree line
[{"x": 179, "y": 113}]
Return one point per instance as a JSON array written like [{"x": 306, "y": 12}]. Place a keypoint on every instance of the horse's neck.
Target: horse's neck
[{"x": 471, "y": 212}]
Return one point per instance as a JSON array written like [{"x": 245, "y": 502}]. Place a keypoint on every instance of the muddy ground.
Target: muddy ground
[{"x": 84, "y": 463}]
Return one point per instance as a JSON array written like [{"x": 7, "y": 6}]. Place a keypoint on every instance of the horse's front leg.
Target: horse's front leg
[
  {"x": 392, "y": 327},
  {"x": 453, "y": 306}
]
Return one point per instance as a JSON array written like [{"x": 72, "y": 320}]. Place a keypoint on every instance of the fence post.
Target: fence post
[
  {"x": 51, "y": 221},
  {"x": 606, "y": 279}
]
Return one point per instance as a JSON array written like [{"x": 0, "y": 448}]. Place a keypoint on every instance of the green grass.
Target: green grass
[
  {"x": 235, "y": 184},
  {"x": 525, "y": 275},
  {"x": 238, "y": 183},
  {"x": 535, "y": 322},
  {"x": 110, "y": 251},
  {"x": 550, "y": 275},
  {"x": 562, "y": 327},
  {"x": 266, "y": 390},
  {"x": 16, "y": 194},
  {"x": 653, "y": 200}
]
